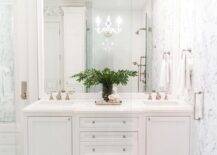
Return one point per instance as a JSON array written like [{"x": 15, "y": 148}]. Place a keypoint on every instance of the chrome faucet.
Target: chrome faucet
[
  {"x": 51, "y": 96},
  {"x": 59, "y": 95},
  {"x": 166, "y": 96},
  {"x": 150, "y": 96},
  {"x": 68, "y": 93},
  {"x": 67, "y": 96},
  {"x": 158, "y": 96}
]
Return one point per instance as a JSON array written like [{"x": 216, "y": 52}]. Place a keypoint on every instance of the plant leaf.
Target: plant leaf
[{"x": 92, "y": 77}]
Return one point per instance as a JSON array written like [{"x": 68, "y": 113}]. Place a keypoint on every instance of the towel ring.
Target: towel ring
[
  {"x": 165, "y": 54},
  {"x": 185, "y": 51}
]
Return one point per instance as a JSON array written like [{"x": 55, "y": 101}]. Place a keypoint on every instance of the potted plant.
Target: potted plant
[{"x": 106, "y": 77}]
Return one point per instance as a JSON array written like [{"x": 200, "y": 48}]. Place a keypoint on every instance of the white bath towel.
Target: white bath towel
[
  {"x": 165, "y": 74},
  {"x": 183, "y": 75}
]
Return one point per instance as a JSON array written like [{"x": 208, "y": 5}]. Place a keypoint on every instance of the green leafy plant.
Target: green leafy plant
[
  {"x": 106, "y": 77},
  {"x": 92, "y": 77}
]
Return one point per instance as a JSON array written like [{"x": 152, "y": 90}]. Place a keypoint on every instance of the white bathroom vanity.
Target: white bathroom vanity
[{"x": 79, "y": 127}]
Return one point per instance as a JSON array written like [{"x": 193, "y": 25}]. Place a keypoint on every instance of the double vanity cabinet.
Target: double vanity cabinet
[{"x": 133, "y": 128}]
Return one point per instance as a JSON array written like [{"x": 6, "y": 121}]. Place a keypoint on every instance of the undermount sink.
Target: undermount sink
[
  {"x": 64, "y": 102},
  {"x": 55, "y": 102},
  {"x": 161, "y": 103}
]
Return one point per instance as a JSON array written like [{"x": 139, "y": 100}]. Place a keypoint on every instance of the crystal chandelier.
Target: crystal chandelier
[{"x": 108, "y": 30}]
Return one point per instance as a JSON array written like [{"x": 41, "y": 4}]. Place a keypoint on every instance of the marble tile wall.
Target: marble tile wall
[
  {"x": 6, "y": 65},
  {"x": 192, "y": 24},
  {"x": 165, "y": 33},
  {"x": 206, "y": 44}
]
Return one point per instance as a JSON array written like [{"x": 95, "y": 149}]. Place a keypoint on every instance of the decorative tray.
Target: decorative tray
[{"x": 102, "y": 102}]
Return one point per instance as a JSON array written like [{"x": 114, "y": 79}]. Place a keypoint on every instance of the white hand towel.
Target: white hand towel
[
  {"x": 165, "y": 75},
  {"x": 168, "y": 73},
  {"x": 180, "y": 80},
  {"x": 162, "y": 83},
  {"x": 188, "y": 72},
  {"x": 183, "y": 79}
]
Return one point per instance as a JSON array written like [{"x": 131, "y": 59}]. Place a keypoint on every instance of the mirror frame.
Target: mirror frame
[
  {"x": 41, "y": 59},
  {"x": 41, "y": 64}
]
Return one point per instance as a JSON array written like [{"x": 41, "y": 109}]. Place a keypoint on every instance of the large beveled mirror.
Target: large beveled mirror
[{"x": 76, "y": 35}]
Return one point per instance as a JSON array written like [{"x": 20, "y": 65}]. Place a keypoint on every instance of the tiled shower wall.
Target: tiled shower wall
[
  {"x": 7, "y": 109},
  {"x": 180, "y": 24}
]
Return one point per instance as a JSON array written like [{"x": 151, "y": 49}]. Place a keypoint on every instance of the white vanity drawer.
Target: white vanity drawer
[
  {"x": 7, "y": 139},
  {"x": 127, "y": 124},
  {"x": 107, "y": 149},
  {"x": 109, "y": 136}
]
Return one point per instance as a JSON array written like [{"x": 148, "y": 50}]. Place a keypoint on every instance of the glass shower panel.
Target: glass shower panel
[{"x": 7, "y": 109}]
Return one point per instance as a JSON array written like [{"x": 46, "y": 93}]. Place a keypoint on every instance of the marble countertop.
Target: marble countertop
[{"x": 65, "y": 108}]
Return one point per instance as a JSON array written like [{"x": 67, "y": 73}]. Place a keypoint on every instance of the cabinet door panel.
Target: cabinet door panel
[
  {"x": 49, "y": 136},
  {"x": 168, "y": 136}
]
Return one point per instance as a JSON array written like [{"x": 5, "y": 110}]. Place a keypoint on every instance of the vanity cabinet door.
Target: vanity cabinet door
[
  {"x": 168, "y": 136},
  {"x": 49, "y": 136}
]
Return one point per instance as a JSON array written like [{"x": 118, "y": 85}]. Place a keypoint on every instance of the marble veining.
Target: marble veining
[
  {"x": 207, "y": 127},
  {"x": 196, "y": 22},
  {"x": 6, "y": 65}
]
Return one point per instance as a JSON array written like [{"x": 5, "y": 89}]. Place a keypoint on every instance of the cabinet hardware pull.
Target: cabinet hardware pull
[
  {"x": 149, "y": 119},
  {"x": 24, "y": 91},
  {"x": 124, "y": 149},
  {"x": 124, "y": 122},
  {"x": 93, "y": 149},
  {"x": 93, "y": 122},
  {"x": 124, "y": 136},
  {"x": 93, "y": 136}
]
